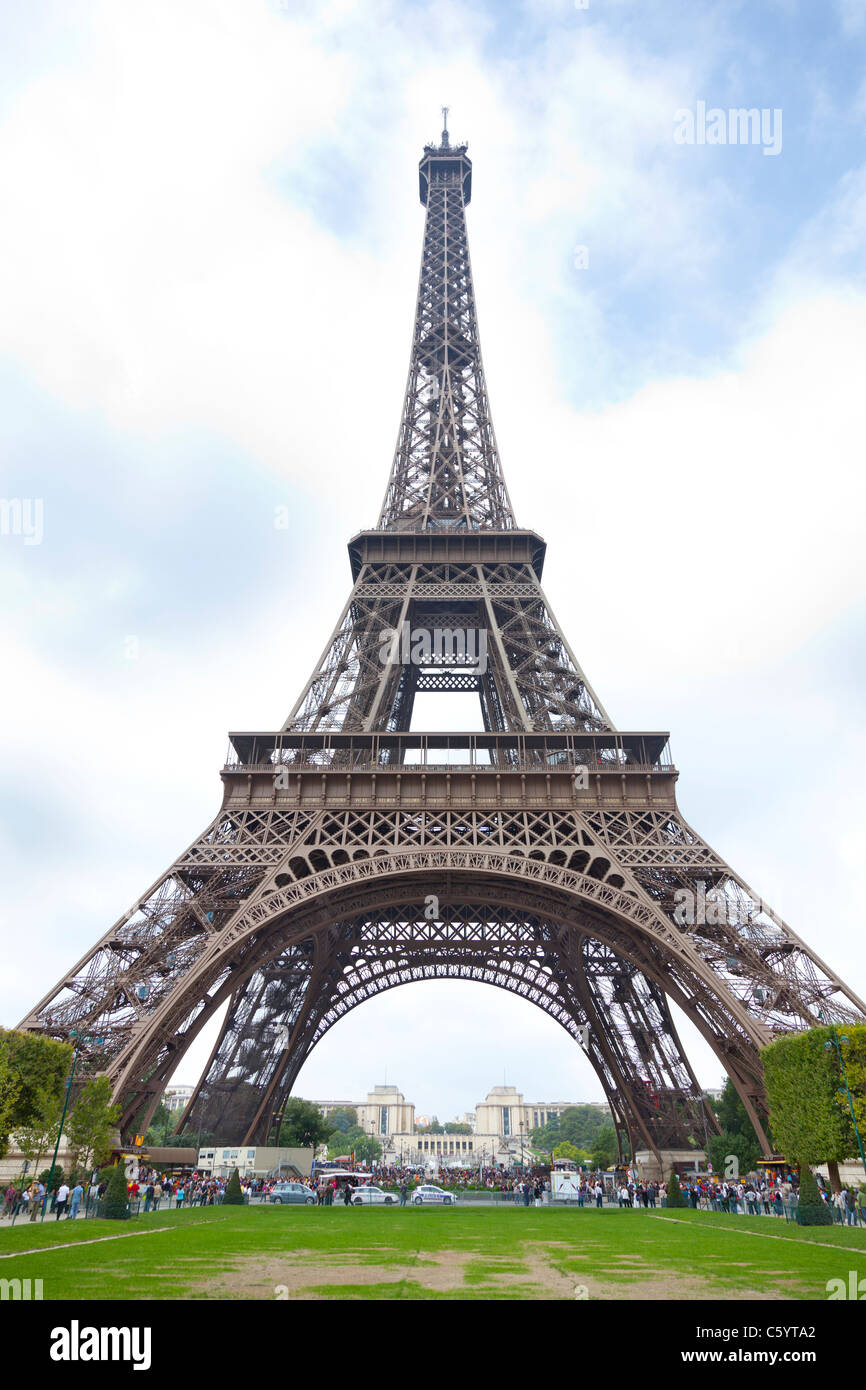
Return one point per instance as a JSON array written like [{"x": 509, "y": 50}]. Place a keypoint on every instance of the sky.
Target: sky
[{"x": 209, "y": 244}]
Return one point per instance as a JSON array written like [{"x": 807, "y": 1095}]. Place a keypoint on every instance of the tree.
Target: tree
[
  {"x": 344, "y": 1118},
  {"x": 340, "y": 1143},
  {"x": 367, "y": 1148},
  {"x": 743, "y": 1149},
  {"x": 675, "y": 1192},
  {"x": 157, "y": 1130},
  {"x": 37, "y": 1067},
  {"x": 457, "y": 1127},
  {"x": 854, "y": 1056},
  {"x": 114, "y": 1203},
  {"x": 233, "y": 1195},
  {"x": 36, "y": 1138},
  {"x": 10, "y": 1088},
  {"x": 737, "y": 1140},
  {"x": 605, "y": 1149},
  {"x": 190, "y": 1139},
  {"x": 802, "y": 1077},
  {"x": 52, "y": 1177},
  {"x": 582, "y": 1124},
  {"x": 90, "y": 1123},
  {"x": 812, "y": 1210},
  {"x": 303, "y": 1126},
  {"x": 546, "y": 1137},
  {"x": 570, "y": 1151}
]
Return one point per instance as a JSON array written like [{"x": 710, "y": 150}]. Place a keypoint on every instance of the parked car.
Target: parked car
[
  {"x": 368, "y": 1193},
  {"x": 427, "y": 1192},
  {"x": 291, "y": 1192}
]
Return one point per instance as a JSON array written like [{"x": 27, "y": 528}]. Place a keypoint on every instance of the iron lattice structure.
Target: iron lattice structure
[{"x": 550, "y": 844}]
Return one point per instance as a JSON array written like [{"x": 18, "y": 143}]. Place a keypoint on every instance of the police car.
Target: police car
[
  {"x": 368, "y": 1193},
  {"x": 429, "y": 1193}
]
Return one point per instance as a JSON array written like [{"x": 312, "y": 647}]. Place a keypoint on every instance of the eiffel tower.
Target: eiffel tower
[{"x": 545, "y": 855}]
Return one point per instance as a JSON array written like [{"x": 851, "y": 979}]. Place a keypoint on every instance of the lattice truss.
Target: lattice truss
[
  {"x": 149, "y": 966},
  {"x": 761, "y": 961},
  {"x": 446, "y": 470},
  {"x": 529, "y": 678},
  {"x": 632, "y": 1040}
]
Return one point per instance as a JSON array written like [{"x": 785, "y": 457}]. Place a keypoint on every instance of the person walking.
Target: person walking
[
  {"x": 404, "y": 1192},
  {"x": 61, "y": 1200},
  {"x": 76, "y": 1200},
  {"x": 36, "y": 1191}
]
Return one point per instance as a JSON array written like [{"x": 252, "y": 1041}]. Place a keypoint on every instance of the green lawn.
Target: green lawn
[{"x": 460, "y": 1253}]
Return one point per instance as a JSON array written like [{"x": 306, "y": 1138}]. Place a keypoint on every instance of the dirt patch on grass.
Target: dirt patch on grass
[
  {"x": 530, "y": 1275},
  {"x": 289, "y": 1278}
]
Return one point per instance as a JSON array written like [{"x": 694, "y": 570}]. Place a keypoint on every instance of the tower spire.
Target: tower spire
[{"x": 446, "y": 472}]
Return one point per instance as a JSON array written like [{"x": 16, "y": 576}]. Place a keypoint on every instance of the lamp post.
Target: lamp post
[
  {"x": 835, "y": 1042},
  {"x": 82, "y": 1037}
]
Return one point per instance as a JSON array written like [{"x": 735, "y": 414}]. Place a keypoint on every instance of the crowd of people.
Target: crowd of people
[{"x": 154, "y": 1190}]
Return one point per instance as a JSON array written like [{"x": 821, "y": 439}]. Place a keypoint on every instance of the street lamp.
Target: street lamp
[
  {"x": 835, "y": 1042},
  {"x": 82, "y": 1037}
]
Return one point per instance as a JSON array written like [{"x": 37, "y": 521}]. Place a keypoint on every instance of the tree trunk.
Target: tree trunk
[{"x": 835, "y": 1180}]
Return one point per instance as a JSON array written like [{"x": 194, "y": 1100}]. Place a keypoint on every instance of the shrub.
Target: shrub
[
  {"x": 812, "y": 1210},
  {"x": 233, "y": 1196},
  {"x": 675, "y": 1192},
  {"x": 114, "y": 1204}
]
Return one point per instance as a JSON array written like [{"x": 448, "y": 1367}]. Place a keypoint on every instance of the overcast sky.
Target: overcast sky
[{"x": 209, "y": 244}]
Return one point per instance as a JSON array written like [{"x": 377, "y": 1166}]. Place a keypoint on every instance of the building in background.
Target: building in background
[
  {"x": 500, "y": 1127},
  {"x": 175, "y": 1098}
]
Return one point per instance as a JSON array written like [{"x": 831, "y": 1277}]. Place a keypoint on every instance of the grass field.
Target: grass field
[{"x": 462, "y": 1253}]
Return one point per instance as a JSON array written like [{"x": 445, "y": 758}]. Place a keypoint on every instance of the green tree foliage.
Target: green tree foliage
[
  {"x": 566, "y": 1150},
  {"x": 802, "y": 1079},
  {"x": 37, "y": 1137},
  {"x": 811, "y": 1209},
  {"x": 113, "y": 1204},
  {"x": 10, "y": 1087},
  {"x": 675, "y": 1192},
  {"x": 160, "y": 1126},
  {"x": 233, "y": 1195},
  {"x": 744, "y": 1149},
  {"x": 581, "y": 1124},
  {"x": 303, "y": 1126},
  {"x": 604, "y": 1151},
  {"x": 341, "y": 1143},
  {"x": 546, "y": 1137},
  {"x": 367, "y": 1148},
  {"x": 91, "y": 1122},
  {"x": 52, "y": 1177},
  {"x": 738, "y": 1138},
  {"x": 854, "y": 1056},
  {"x": 191, "y": 1139},
  {"x": 344, "y": 1118},
  {"x": 39, "y": 1065}
]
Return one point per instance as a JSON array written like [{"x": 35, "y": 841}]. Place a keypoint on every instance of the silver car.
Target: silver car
[
  {"x": 367, "y": 1193},
  {"x": 291, "y": 1192}
]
